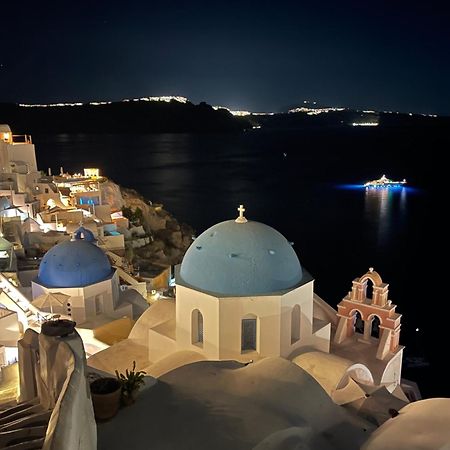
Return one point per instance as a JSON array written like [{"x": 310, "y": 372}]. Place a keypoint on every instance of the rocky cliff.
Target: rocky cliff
[{"x": 155, "y": 237}]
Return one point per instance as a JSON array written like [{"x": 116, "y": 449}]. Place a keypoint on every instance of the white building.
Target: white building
[
  {"x": 79, "y": 274},
  {"x": 8, "y": 260},
  {"x": 17, "y": 153},
  {"x": 242, "y": 294}
]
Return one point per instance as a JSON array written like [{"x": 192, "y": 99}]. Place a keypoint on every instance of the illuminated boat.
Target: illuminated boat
[{"x": 384, "y": 182}]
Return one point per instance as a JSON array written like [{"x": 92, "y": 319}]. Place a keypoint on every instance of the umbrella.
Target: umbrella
[{"x": 50, "y": 300}]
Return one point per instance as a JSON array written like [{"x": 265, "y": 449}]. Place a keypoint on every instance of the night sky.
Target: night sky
[{"x": 261, "y": 56}]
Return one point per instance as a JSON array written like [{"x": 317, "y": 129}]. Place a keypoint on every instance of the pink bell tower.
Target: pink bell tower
[{"x": 376, "y": 308}]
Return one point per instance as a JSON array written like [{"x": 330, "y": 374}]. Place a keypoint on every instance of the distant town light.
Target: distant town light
[
  {"x": 364, "y": 124},
  {"x": 240, "y": 113},
  {"x": 163, "y": 98},
  {"x": 314, "y": 111},
  {"x": 243, "y": 112}
]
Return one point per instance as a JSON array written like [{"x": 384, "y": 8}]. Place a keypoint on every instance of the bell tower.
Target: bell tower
[{"x": 375, "y": 312}]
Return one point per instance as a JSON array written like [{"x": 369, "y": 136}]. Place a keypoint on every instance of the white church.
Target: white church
[
  {"x": 76, "y": 279},
  {"x": 242, "y": 294}
]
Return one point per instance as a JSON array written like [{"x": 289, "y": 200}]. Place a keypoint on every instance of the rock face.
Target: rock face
[
  {"x": 154, "y": 217},
  {"x": 155, "y": 236},
  {"x": 111, "y": 195}
]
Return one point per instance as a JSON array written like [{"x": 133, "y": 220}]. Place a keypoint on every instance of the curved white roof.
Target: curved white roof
[
  {"x": 4, "y": 128},
  {"x": 241, "y": 259}
]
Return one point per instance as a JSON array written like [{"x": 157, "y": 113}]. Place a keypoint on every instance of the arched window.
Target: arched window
[
  {"x": 197, "y": 328},
  {"x": 369, "y": 288},
  {"x": 369, "y": 283},
  {"x": 249, "y": 333},
  {"x": 358, "y": 322},
  {"x": 98, "y": 304},
  {"x": 375, "y": 328},
  {"x": 295, "y": 324}
]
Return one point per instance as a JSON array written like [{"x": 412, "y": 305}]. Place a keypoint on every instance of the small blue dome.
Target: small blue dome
[
  {"x": 84, "y": 233},
  {"x": 74, "y": 263},
  {"x": 241, "y": 259}
]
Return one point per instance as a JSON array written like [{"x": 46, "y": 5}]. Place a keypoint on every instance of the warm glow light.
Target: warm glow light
[
  {"x": 50, "y": 105},
  {"x": 364, "y": 124},
  {"x": 91, "y": 172},
  {"x": 243, "y": 113},
  {"x": 314, "y": 111},
  {"x": 51, "y": 203},
  {"x": 99, "y": 103},
  {"x": 163, "y": 98}
]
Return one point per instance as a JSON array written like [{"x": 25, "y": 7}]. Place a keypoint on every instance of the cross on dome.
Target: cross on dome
[{"x": 241, "y": 218}]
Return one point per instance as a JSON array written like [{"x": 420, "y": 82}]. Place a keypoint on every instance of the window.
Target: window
[
  {"x": 295, "y": 324},
  {"x": 98, "y": 304},
  {"x": 358, "y": 323},
  {"x": 197, "y": 328},
  {"x": 375, "y": 327},
  {"x": 248, "y": 336}
]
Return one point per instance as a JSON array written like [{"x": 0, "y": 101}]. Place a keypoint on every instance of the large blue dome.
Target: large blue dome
[
  {"x": 241, "y": 259},
  {"x": 74, "y": 263}
]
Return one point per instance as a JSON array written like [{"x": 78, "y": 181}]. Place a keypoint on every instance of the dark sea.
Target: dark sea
[{"x": 308, "y": 185}]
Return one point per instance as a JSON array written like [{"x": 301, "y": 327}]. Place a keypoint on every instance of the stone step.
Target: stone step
[
  {"x": 35, "y": 444},
  {"x": 19, "y": 414},
  {"x": 14, "y": 407},
  {"x": 34, "y": 420},
  {"x": 7, "y": 405},
  {"x": 22, "y": 435}
]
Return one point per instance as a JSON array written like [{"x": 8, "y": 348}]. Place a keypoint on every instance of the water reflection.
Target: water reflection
[
  {"x": 403, "y": 200},
  {"x": 381, "y": 207}
]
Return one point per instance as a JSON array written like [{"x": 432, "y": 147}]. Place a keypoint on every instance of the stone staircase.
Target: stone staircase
[{"x": 23, "y": 425}]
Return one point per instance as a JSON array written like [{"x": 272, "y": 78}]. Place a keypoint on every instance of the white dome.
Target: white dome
[{"x": 4, "y": 128}]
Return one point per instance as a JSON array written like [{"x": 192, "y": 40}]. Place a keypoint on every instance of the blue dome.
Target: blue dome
[
  {"x": 75, "y": 263},
  {"x": 241, "y": 259},
  {"x": 84, "y": 233}
]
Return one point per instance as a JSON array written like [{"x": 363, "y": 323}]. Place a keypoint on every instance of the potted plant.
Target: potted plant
[
  {"x": 58, "y": 327},
  {"x": 106, "y": 393},
  {"x": 130, "y": 381}
]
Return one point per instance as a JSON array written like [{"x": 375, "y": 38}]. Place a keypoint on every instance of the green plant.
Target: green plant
[
  {"x": 136, "y": 217},
  {"x": 131, "y": 381}
]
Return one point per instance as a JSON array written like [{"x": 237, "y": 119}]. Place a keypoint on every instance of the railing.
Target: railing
[
  {"x": 21, "y": 302},
  {"x": 22, "y": 139}
]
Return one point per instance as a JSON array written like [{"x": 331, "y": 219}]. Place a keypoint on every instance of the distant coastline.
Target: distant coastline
[
  {"x": 174, "y": 116},
  {"x": 121, "y": 117}
]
